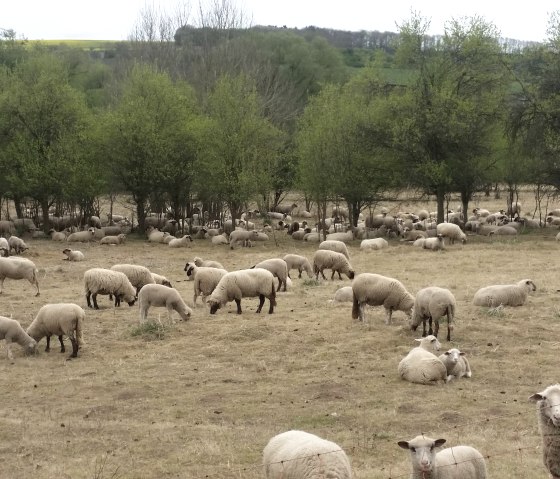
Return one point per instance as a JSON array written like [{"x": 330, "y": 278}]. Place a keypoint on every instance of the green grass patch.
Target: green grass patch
[{"x": 150, "y": 331}]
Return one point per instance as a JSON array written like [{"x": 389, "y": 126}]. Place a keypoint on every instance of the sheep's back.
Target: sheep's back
[
  {"x": 460, "y": 461},
  {"x": 506, "y": 294}
]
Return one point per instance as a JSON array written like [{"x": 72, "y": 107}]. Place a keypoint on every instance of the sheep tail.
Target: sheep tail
[
  {"x": 79, "y": 331},
  {"x": 355, "y": 306}
]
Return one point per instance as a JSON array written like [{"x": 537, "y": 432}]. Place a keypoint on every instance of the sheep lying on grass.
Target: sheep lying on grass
[
  {"x": 505, "y": 294},
  {"x": 162, "y": 296},
  {"x": 106, "y": 281},
  {"x": 81, "y": 236},
  {"x": 183, "y": 242},
  {"x": 59, "y": 319},
  {"x": 373, "y": 244},
  {"x": 458, "y": 462},
  {"x": 12, "y": 332},
  {"x": 432, "y": 303},
  {"x": 207, "y": 263},
  {"x": 58, "y": 235},
  {"x": 205, "y": 279},
  {"x": 18, "y": 268},
  {"x": 420, "y": 365},
  {"x": 434, "y": 244},
  {"x": 343, "y": 295},
  {"x": 456, "y": 363},
  {"x": 299, "y": 454},
  {"x": 118, "y": 239},
  {"x": 301, "y": 263},
  {"x": 73, "y": 255},
  {"x": 336, "y": 262}
]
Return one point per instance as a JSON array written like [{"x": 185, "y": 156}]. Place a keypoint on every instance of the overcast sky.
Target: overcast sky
[{"x": 115, "y": 19}]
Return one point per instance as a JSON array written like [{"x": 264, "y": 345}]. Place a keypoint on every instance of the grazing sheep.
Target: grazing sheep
[
  {"x": 12, "y": 332},
  {"x": 183, "y": 242},
  {"x": 456, "y": 363},
  {"x": 242, "y": 236},
  {"x": 336, "y": 262},
  {"x": 119, "y": 239},
  {"x": 435, "y": 244},
  {"x": 299, "y": 454},
  {"x": 18, "y": 268},
  {"x": 106, "y": 281},
  {"x": 335, "y": 245},
  {"x": 451, "y": 231},
  {"x": 505, "y": 294},
  {"x": 58, "y": 235},
  {"x": 548, "y": 412},
  {"x": 17, "y": 244},
  {"x": 278, "y": 268},
  {"x": 458, "y": 462},
  {"x": 159, "y": 279},
  {"x": 59, "y": 319},
  {"x": 241, "y": 284},
  {"x": 136, "y": 274},
  {"x": 73, "y": 255},
  {"x": 432, "y": 303},
  {"x": 373, "y": 244},
  {"x": 162, "y": 296},
  {"x": 301, "y": 263},
  {"x": 5, "y": 247},
  {"x": 207, "y": 263},
  {"x": 342, "y": 295},
  {"x": 420, "y": 365},
  {"x": 81, "y": 236},
  {"x": 205, "y": 279},
  {"x": 378, "y": 290}
]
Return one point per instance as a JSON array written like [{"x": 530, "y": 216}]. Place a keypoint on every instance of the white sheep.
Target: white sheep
[
  {"x": 162, "y": 296},
  {"x": 159, "y": 279},
  {"x": 433, "y": 303},
  {"x": 17, "y": 245},
  {"x": 138, "y": 275},
  {"x": 219, "y": 239},
  {"x": 58, "y": 235},
  {"x": 73, "y": 255},
  {"x": 458, "y": 462},
  {"x": 81, "y": 236},
  {"x": 242, "y": 284},
  {"x": 301, "y": 263},
  {"x": 346, "y": 237},
  {"x": 378, "y": 290},
  {"x": 342, "y": 295},
  {"x": 242, "y": 236},
  {"x": 5, "y": 247},
  {"x": 106, "y": 281},
  {"x": 18, "y": 268},
  {"x": 12, "y": 332},
  {"x": 205, "y": 279},
  {"x": 421, "y": 365},
  {"x": 434, "y": 244},
  {"x": 451, "y": 231},
  {"x": 299, "y": 454},
  {"x": 456, "y": 364},
  {"x": 118, "y": 239},
  {"x": 59, "y": 319},
  {"x": 373, "y": 244},
  {"x": 335, "y": 245},
  {"x": 336, "y": 262},
  {"x": 505, "y": 230},
  {"x": 183, "y": 242},
  {"x": 207, "y": 263},
  {"x": 155, "y": 235},
  {"x": 548, "y": 413},
  {"x": 278, "y": 268},
  {"x": 505, "y": 294}
]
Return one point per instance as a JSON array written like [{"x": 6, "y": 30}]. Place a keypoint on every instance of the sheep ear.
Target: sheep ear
[
  {"x": 536, "y": 397},
  {"x": 439, "y": 442},
  {"x": 416, "y": 339},
  {"x": 447, "y": 353},
  {"x": 403, "y": 444},
  {"x": 461, "y": 353}
]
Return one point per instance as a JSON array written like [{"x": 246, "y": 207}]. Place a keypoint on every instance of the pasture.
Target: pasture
[{"x": 200, "y": 399}]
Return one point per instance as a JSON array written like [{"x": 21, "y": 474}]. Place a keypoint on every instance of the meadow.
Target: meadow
[{"x": 200, "y": 399}]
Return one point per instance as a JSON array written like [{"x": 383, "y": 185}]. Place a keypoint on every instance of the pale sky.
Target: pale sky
[{"x": 115, "y": 19}]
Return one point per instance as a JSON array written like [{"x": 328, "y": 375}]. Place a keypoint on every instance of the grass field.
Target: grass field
[{"x": 200, "y": 399}]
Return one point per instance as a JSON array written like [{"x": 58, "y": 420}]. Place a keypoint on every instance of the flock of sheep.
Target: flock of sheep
[{"x": 294, "y": 454}]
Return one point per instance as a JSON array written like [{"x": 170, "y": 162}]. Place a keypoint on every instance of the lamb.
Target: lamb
[
  {"x": 299, "y": 454},
  {"x": 435, "y": 244},
  {"x": 456, "y": 363},
  {"x": 12, "y": 332},
  {"x": 432, "y": 303},
  {"x": 58, "y": 235},
  {"x": 159, "y": 279},
  {"x": 241, "y": 284},
  {"x": 378, "y": 290},
  {"x": 373, "y": 244},
  {"x": 342, "y": 295},
  {"x": 278, "y": 268},
  {"x": 458, "y": 462},
  {"x": 451, "y": 231},
  {"x": 207, "y": 263},
  {"x": 335, "y": 245},
  {"x": 106, "y": 281},
  {"x": 205, "y": 279},
  {"x": 301, "y": 263},
  {"x": 420, "y": 365},
  {"x": 81, "y": 236},
  {"x": 183, "y": 242},
  {"x": 17, "y": 244},
  {"x": 336, "y": 262},
  {"x": 60, "y": 319},
  {"x": 548, "y": 413},
  {"x": 505, "y": 294},
  {"x": 138, "y": 275},
  {"x": 162, "y": 296},
  {"x": 18, "y": 268},
  {"x": 73, "y": 255},
  {"x": 243, "y": 237},
  {"x": 5, "y": 247},
  {"x": 119, "y": 239}
]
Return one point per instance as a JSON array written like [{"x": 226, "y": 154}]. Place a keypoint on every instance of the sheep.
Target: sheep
[
  {"x": 346, "y": 237},
  {"x": 505, "y": 230},
  {"x": 138, "y": 275},
  {"x": 513, "y": 209},
  {"x": 342, "y": 295},
  {"x": 336, "y": 262},
  {"x": 155, "y": 235},
  {"x": 243, "y": 237},
  {"x": 162, "y": 296},
  {"x": 183, "y": 242},
  {"x": 285, "y": 209},
  {"x": 219, "y": 239},
  {"x": 278, "y": 268},
  {"x": 456, "y": 364},
  {"x": 159, "y": 279},
  {"x": 119, "y": 239},
  {"x": 12, "y": 332},
  {"x": 505, "y": 294},
  {"x": 434, "y": 244},
  {"x": 301, "y": 263},
  {"x": 373, "y": 244},
  {"x": 207, "y": 263},
  {"x": 106, "y": 281},
  {"x": 18, "y": 268},
  {"x": 5, "y": 247},
  {"x": 59, "y": 319},
  {"x": 420, "y": 365},
  {"x": 548, "y": 413},
  {"x": 335, "y": 245},
  {"x": 81, "y": 236},
  {"x": 17, "y": 244},
  {"x": 73, "y": 255},
  {"x": 7, "y": 227},
  {"x": 432, "y": 303},
  {"x": 451, "y": 231},
  {"x": 299, "y": 454},
  {"x": 112, "y": 231},
  {"x": 205, "y": 279},
  {"x": 58, "y": 235},
  {"x": 458, "y": 462},
  {"x": 244, "y": 283},
  {"x": 378, "y": 290}
]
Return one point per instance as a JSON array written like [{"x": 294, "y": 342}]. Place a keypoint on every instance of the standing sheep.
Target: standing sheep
[
  {"x": 301, "y": 263},
  {"x": 458, "y": 462},
  {"x": 505, "y": 294},
  {"x": 106, "y": 281},
  {"x": 456, "y": 363},
  {"x": 336, "y": 262},
  {"x": 299, "y": 454},
  {"x": 162, "y": 296},
  {"x": 378, "y": 290},
  {"x": 432, "y": 303},
  {"x": 5, "y": 247},
  {"x": 59, "y": 319},
  {"x": 17, "y": 244},
  {"x": 73, "y": 255},
  {"x": 205, "y": 279},
  {"x": 242, "y": 236},
  {"x": 335, "y": 245},
  {"x": 278, "y": 268},
  {"x": 451, "y": 231},
  {"x": 139, "y": 276},
  {"x": 420, "y": 365},
  {"x": 12, "y": 332},
  {"x": 18, "y": 268},
  {"x": 548, "y": 412}
]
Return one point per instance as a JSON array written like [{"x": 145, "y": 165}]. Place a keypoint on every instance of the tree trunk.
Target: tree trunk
[
  {"x": 465, "y": 197},
  {"x": 45, "y": 211},
  {"x": 141, "y": 213},
  {"x": 440, "y": 198}
]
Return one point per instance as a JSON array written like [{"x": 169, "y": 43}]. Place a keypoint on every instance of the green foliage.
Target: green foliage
[{"x": 150, "y": 331}]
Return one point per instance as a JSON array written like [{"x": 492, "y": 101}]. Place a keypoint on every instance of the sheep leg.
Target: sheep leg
[
  {"x": 423, "y": 327},
  {"x": 94, "y": 300},
  {"x": 261, "y": 302},
  {"x": 48, "y": 348},
  {"x": 238, "y": 302},
  {"x": 9, "y": 350},
  {"x": 1, "y": 284},
  {"x": 36, "y": 283},
  {"x": 143, "y": 313},
  {"x": 430, "y": 331},
  {"x": 449, "y": 325},
  {"x": 62, "y": 348},
  {"x": 436, "y": 327},
  {"x": 339, "y": 276},
  {"x": 388, "y": 314},
  {"x": 117, "y": 300},
  {"x": 271, "y": 307},
  {"x": 74, "y": 342},
  {"x": 170, "y": 314},
  {"x": 88, "y": 295}
]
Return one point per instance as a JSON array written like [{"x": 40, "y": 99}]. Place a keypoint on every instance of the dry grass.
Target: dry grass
[{"x": 200, "y": 399}]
